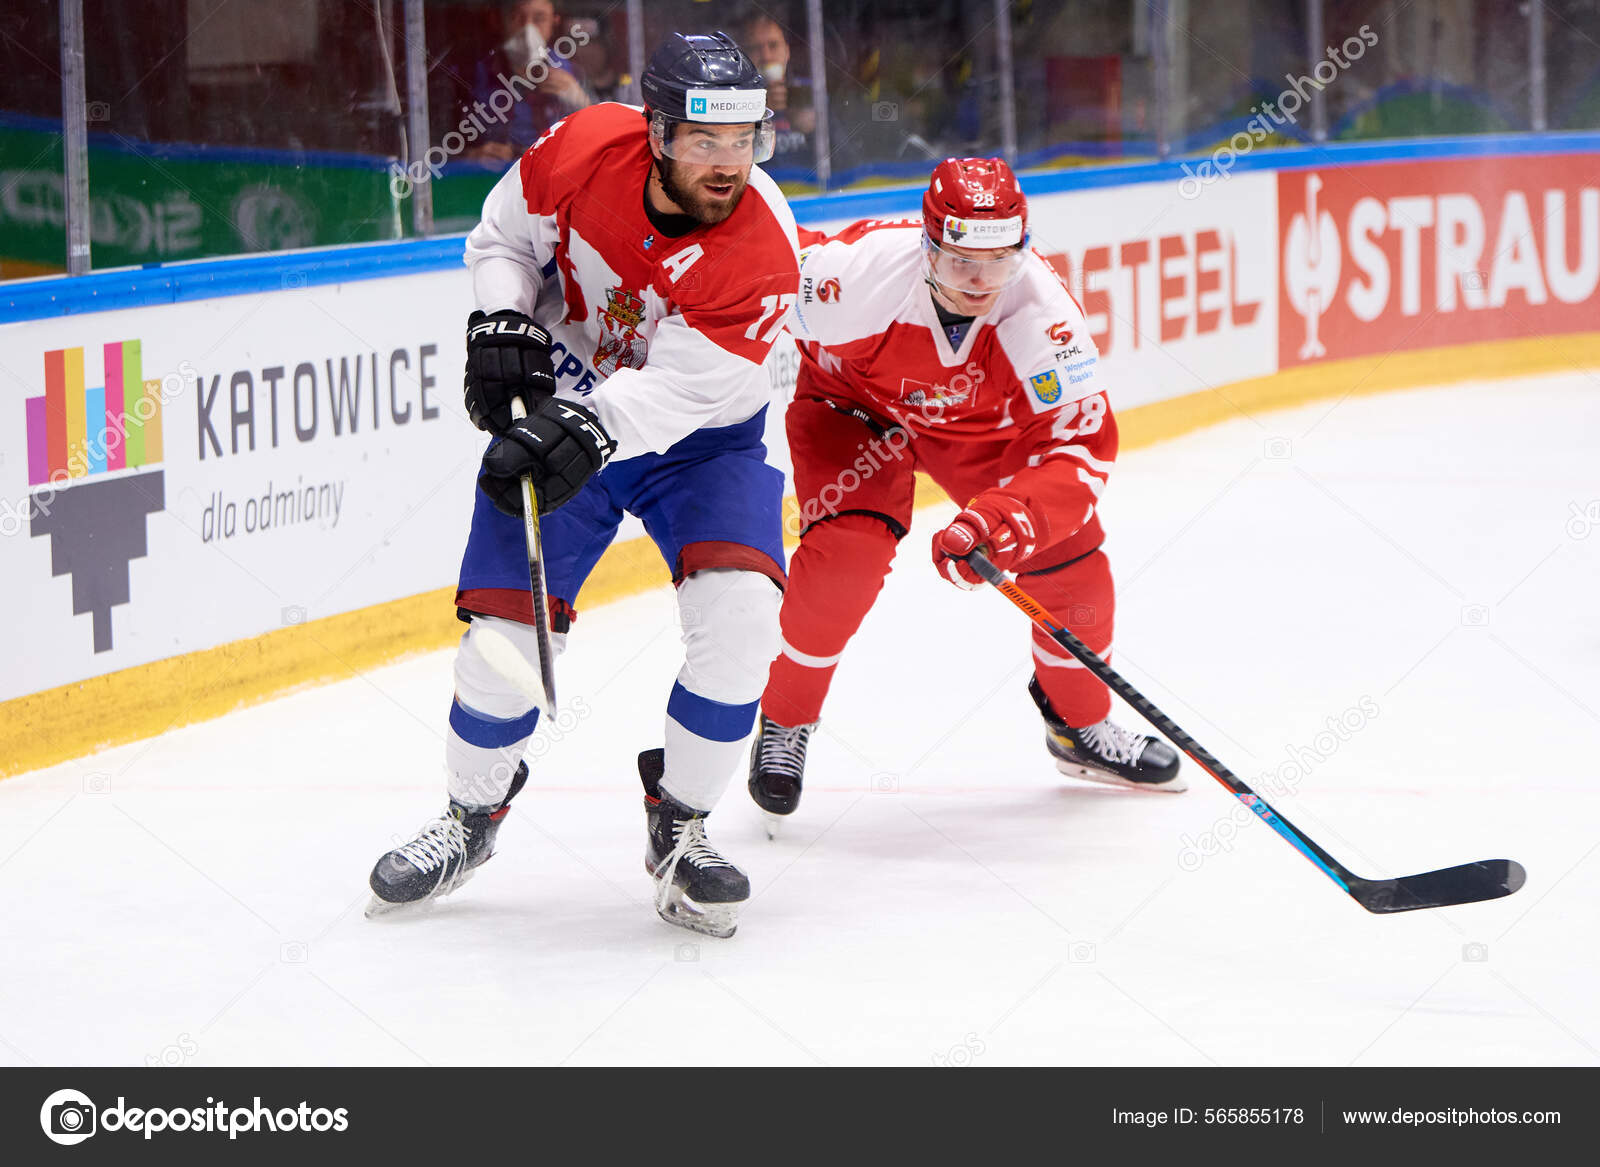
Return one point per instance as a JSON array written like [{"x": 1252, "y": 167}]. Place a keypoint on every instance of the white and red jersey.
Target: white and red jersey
[
  {"x": 660, "y": 335},
  {"x": 1026, "y": 373}
]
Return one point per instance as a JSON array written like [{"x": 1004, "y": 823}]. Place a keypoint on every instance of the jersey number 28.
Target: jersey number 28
[{"x": 1080, "y": 418}]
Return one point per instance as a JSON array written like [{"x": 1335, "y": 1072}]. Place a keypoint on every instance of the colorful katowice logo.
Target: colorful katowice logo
[{"x": 82, "y": 439}]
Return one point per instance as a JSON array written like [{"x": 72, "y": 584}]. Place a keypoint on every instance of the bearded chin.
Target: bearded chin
[{"x": 692, "y": 203}]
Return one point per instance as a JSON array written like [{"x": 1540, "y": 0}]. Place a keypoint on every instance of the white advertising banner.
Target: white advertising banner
[
  {"x": 1180, "y": 293},
  {"x": 176, "y": 477},
  {"x": 179, "y": 476}
]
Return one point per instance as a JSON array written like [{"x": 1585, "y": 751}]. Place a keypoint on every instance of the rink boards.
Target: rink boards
[{"x": 209, "y": 498}]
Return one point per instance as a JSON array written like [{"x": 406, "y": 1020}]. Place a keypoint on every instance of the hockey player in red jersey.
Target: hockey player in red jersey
[
  {"x": 947, "y": 345},
  {"x": 631, "y": 273}
]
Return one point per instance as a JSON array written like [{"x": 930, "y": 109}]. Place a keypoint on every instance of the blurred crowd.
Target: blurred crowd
[
  {"x": 907, "y": 81},
  {"x": 901, "y": 86},
  {"x": 568, "y": 56},
  {"x": 583, "y": 59}
]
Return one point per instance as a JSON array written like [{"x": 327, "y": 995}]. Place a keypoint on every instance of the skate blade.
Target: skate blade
[
  {"x": 773, "y": 823},
  {"x": 1177, "y": 785},
  {"x": 378, "y": 908},
  {"x": 719, "y": 920}
]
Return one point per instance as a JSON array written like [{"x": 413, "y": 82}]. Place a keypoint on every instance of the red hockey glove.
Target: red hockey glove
[{"x": 994, "y": 521}]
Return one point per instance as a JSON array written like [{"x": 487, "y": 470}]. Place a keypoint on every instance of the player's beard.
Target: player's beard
[{"x": 696, "y": 202}]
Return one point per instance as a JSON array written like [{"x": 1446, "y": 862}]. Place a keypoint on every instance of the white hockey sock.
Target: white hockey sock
[
  {"x": 730, "y": 635},
  {"x": 491, "y": 721}
]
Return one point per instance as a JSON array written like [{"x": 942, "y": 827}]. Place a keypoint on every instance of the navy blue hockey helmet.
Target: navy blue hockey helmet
[{"x": 705, "y": 79}]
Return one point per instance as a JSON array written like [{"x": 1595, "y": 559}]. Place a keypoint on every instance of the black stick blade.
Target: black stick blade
[{"x": 1467, "y": 884}]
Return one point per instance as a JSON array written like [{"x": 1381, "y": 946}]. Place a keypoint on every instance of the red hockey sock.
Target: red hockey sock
[
  {"x": 1083, "y": 598},
  {"x": 834, "y": 577}
]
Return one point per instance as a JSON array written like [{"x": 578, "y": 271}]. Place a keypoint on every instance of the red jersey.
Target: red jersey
[
  {"x": 1027, "y": 371},
  {"x": 663, "y": 335}
]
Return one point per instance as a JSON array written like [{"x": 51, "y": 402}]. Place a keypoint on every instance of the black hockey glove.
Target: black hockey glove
[
  {"x": 508, "y": 355},
  {"x": 561, "y": 444}
]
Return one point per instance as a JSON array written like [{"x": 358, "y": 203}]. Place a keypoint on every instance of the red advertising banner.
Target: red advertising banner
[{"x": 1408, "y": 255}]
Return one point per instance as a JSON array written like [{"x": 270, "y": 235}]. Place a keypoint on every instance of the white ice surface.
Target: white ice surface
[{"x": 943, "y": 894}]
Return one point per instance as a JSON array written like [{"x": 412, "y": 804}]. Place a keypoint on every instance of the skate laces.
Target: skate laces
[
  {"x": 689, "y": 835},
  {"x": 435, "y": 845},
  {"x": 1111, "y": 741},
  {"x": 783, "y": 750},
  {"x": 689, "y": 842}
]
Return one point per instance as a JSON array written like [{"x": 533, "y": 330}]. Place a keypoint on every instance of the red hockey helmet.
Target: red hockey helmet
[
  {"x": 975, "y": 205},
  {"x": 975, "y": 202}
]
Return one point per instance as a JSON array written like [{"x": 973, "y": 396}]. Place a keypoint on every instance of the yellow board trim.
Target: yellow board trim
[{"x": 43, "y": 729}]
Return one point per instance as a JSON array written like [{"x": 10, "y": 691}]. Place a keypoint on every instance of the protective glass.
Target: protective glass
[
  {"x": 971, "y": 275},
  {"x": 714, "y": 144}
]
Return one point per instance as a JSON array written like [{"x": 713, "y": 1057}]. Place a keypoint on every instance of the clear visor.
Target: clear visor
[
  {"x": 971, "y": 271},
  {"x": 711, "y": 143}
]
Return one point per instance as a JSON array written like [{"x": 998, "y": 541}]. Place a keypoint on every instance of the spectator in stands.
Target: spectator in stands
[
  {"x": 594, "y": 63},
  {"x": 765, "y": 42},
  {"x": 529, "y": 28}
]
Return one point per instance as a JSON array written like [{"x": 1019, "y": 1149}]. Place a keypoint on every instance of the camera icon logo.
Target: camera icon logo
[
  {"x": 1081, "y": 952},
  {"x": 293, "y": 614},
  {"x": 68, "y": 1117},
  {"x": 885, "y": 784},
  {"x": 1277, "y": 449},
  {"x": 1475, "y": 616},
  {"x": 886, "y": 111},
  {"x": 1475, "y": 952},
  {"x": 686, "y": 953},
  {"x": 293, "y": 952},
  {"x": 97, "y": 111}
]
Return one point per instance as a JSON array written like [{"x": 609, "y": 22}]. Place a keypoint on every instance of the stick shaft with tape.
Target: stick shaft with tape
[{"x": 536, "y": 586}]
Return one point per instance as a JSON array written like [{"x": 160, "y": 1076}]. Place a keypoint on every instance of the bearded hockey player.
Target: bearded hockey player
[
  {"x": 631, "y": 273},
  {"x": 948, "y": 345}
]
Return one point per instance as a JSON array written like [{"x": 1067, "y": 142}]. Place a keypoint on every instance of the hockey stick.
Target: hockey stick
[
  {"x": 1466, "y": 884},
  {"x": 502, "y": 655}
]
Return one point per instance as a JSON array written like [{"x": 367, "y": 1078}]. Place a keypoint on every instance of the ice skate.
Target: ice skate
[
  {"x": 696, "y": 888},
  {"x": 1105, "y": 752},
  {"x": 441, "y": 858},
  {"x": 777, "y": 770}
]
